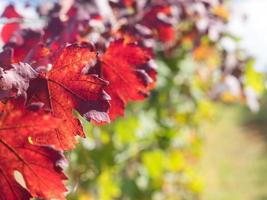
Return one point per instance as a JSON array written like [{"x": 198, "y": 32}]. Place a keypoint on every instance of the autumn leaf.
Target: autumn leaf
[
  {"x": 68, "y": 31},
  {"x": 27, "y": 170},
  {"x": 221, "y": 11},
  {"x": 10, "y": 28},
  {"x": 6, "y": 56},
  {"x": 126, "y": 66},
  {"x": 160, "y": 19},
  {"x": 67, "y": 87},
  {"x": 28, "y": 48},
  {"x": 14, "y": 81}
]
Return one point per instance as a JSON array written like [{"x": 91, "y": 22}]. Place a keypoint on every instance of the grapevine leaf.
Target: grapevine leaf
[
  {"x": 126, "y": 67},
  {"x": 15, "y": 81},
  {"x": 66, "y": 87},
  {"x": 160, "y": 19},
  {"x": 27, "y": 170},
  {"x": 9, "y": 29}
]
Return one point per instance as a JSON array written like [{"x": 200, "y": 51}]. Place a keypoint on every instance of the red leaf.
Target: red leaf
[
  {"x": 28, "y": 48},
  {"x": 10, "y": 28},
  {"x": 126, "y": 67},
  {"x": 65, "y": 88},
  {"x": 159, "y": 18},
  {"x": 10, "y": 12},
  {"x": 41, "y": 176}
]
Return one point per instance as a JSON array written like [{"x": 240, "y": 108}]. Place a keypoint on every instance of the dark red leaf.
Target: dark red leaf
[
  {"x": 26, "y": 50},
  {"x": 6, "y": 57},
  {"x": 159, "y": 18},
  {"x": 15, "y": 81}
]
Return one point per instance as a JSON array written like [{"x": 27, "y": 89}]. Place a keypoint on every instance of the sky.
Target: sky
[{"x": 254, "y": 31}]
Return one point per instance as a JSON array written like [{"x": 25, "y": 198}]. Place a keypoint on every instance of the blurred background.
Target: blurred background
[
  {"x": 248, "y": 22},
  {"x": 234, "y": 152},
  {"x": 203, "y": 132}
]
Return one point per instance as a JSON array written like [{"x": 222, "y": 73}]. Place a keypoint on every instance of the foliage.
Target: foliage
[{"x": 83, "y": 66}]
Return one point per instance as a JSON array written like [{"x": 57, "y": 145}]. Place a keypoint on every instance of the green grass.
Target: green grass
[{"x": 234, "y": 164}]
